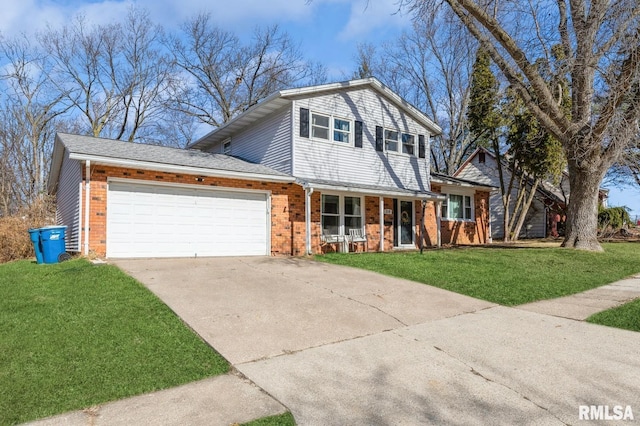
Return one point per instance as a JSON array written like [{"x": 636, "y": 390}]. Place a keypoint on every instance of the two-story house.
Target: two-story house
[{"x": 340, "y": 166}]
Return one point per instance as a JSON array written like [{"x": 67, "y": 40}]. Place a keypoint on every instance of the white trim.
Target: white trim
[
  {"x": 186, "y": 185},
  {"x": 163, "y": 167},
  {"x": 381, "y": 213},
  {"x": 80, "y": 193},
  {"x": 370, "y": 192},
  {"x": 87, "y": 201},
  {"x": 307, "y": 217},
  {"x": 292, "y": 134},
  {"x": 439, "y": 223}
]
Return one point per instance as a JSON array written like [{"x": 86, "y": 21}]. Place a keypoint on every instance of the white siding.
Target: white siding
[
  {"x": 487, "y": 173},
  {"x": 317, "y": 159},
  {"x": 267, "y": 142},
  {"x": 68, "y": 201}
]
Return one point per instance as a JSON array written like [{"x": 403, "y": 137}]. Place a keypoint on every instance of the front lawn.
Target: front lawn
[
  {"x": 73, "y": 335},
  {"x": 508, "y": 276},
  {"x": 626, "y": 316}
]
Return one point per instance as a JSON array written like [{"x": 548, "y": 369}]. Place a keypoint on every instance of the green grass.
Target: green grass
[
  {"x": 73, "y": 335},
  {"x": 626, "y": 316},
  {"x": 508, "y": 276},
  {"x": 285, "y": 419}
]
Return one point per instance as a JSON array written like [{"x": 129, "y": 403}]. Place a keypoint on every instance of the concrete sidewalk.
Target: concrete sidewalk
[
  {"x": 217, "y": 401},
  {"x": 581, "y": 306}
]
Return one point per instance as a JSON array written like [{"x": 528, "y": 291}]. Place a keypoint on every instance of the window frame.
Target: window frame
[
  {"x": 332, "y": 129},
  {"x": 412, "y": 144},
  {"x": 468, "y": 210},
  {"x": 387, "y": 140},
  {"x": 342, "y": 227}
]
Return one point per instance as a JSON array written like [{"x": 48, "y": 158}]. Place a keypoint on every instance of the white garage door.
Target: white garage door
[{"x": 149, "y": 220}]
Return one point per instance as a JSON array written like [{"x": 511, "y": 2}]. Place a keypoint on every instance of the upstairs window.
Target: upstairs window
[
  {"x": 341, "y": 130},
  {"x": 331, "y": 129},
  {"x": 391, "y": 140},
  {"x": 457, "y": 207},
  {"x": 408, "y": 144},
  {"x": 320, "y": 126}
]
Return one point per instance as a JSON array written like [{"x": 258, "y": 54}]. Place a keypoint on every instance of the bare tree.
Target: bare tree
[
  {"x": 430, "y": 66},
  {"x": 30, "y": 109},
  {"x": 113, "y": 75},
  {"x": 223, "y": 77},
  {"x": 600, "y": 44},
  {"x": 627, "y": 169}
]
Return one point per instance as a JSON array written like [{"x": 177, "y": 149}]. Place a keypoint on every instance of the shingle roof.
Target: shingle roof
[
  {"x": 439, "y": 177},
  {"x": 369, "y": 189},
  {"x": 109, "y": 148}
]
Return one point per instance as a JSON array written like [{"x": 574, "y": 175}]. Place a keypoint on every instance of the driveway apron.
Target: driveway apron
[{"x": 337, "y": 345}]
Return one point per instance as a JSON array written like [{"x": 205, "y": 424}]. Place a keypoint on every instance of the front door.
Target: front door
[{"x": 404, "y": 225}]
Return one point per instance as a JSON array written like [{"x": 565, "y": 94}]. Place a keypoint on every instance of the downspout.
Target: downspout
[
  {"x": 439, "y": 223},
  {"x": 489, "y": 218},
  {"x": 307, "y": 217},
  {"x": 422, "y": 230},
  {"x": 381, "y": 245},
  {"x": 87, "y": 200}
]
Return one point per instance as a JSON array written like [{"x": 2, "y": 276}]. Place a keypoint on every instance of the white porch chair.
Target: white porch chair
[
  {"x": 358, "y": 236},
  {"x": 339, "y": 240}
]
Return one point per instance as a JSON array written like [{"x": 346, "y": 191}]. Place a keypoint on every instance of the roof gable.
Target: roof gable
[{"x": 282, "y": 98}]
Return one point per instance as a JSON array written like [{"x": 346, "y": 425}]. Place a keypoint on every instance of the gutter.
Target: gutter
[{"x": 163, "y": 167}]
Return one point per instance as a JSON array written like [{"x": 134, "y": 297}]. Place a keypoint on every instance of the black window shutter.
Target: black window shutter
[
  {"x": 304, "y": 122},
  {"x": 358, "y": 138},
  {"x": 379, "y": 139},
  {"x": 421, "y": 147}
]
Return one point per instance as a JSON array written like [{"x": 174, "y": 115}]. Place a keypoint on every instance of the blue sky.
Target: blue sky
[{"x": 328, "y": 31}]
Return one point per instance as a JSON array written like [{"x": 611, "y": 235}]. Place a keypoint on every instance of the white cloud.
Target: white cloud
[{"x": 372, "y": 17}]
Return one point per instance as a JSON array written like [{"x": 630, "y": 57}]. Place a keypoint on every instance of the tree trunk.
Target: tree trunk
[{"x": 582, "y": 211}]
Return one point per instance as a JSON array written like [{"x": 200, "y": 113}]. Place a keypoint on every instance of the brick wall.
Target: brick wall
[
  {"x": 461, "y": 232},
  {"x": 288, "y": 213},
  {"x": 287, "y": 205}
]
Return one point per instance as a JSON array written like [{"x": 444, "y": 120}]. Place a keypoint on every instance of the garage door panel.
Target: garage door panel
[{"x": 171, "y": 221}]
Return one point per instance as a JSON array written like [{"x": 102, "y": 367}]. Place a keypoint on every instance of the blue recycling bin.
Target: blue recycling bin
[
  {"x": 37, "y": 247},
  {"x": 52, "y": 239}
]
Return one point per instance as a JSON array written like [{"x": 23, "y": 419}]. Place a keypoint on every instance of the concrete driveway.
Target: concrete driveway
[{"x": 343, "y": 346}]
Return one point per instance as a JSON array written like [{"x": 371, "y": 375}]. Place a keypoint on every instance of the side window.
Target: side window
[
  {"x": 457, "y": 207},
  {"x": 226, "y": 148}
]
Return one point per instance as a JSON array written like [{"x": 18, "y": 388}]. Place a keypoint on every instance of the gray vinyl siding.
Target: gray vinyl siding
[
  {"x": 328, "y": 160},
  {"x": 487, "y": 173},
  {"x": 68, "y": 201},
  {"x": 268, "y": 142}
]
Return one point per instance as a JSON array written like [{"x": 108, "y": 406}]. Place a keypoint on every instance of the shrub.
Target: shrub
[
  {"x": 613, "y": 219},
  {"x": 15, "y": 242}
]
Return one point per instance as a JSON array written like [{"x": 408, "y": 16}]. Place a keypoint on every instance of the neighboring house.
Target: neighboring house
[
  {"x": 331, "y": 167},
  {"x": 546, "y": 215}
]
